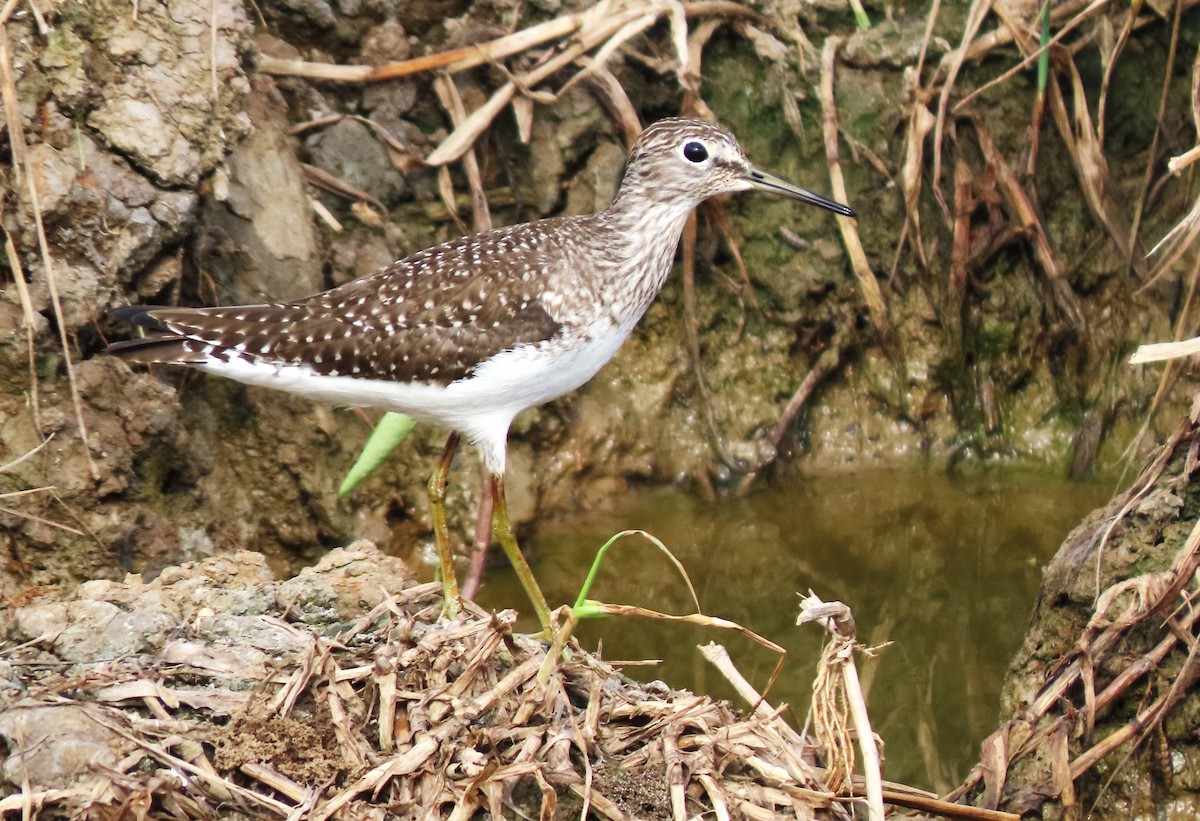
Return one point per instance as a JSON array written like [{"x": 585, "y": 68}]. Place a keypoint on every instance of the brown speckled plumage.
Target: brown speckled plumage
[{"x": 431, "y": 317}]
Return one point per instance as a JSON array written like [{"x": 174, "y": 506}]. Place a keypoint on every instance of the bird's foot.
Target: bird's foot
[{"x": 451, "y": 608}]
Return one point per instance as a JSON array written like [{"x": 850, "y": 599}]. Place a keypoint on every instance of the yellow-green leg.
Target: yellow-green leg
[
  {"x": 504, "y": 534},
  {"x": 441, "y": 536}
]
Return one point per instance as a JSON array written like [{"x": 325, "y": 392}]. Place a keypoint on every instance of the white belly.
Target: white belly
[{"x": 481, "y": 406}]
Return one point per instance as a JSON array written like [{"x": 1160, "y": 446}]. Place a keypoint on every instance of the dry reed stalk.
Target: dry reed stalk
[
  {"x": 1183, "y": 234},
  {"x": 597, "y": 26},
  {"x": 6, "y": 12},
  {"x": 1026, "y": 214},
  {"x": 27, "y": 319},
  {"x": 16, "y": 494},
  {"x": 826, "y": 363},
  {"x": 448, "y": 96},
  {"x": 1176, "y": 165},
  {"x": 1142, "y": 724},
  {"x": 612, "y": 96},
  {"x": 960, "y": 249},
  {"x": 29, "y": 454},
  {"x": 867, "y": 283},
  {"x": 1015, "y": 32},
  {"x": 21, "y": 157},
  {"x": 902, "y": 796},
  {"x": 451, "y": 61},
  {"x": 1097, "y": 647},
  {"x": 951, "y": 64},
  {"x": 223, "y": 787},
  {"x": 603, "y": 28},
  {"x": 1079, "y": 134},
  {"x": 837, "y": 693},
  {"x": 1163, "y": 351},
  {"x": 920, "y": 123},
  {"x": 324, "y": 180}
]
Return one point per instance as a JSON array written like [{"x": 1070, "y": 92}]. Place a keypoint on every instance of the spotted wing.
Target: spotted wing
[{"x": 433, "y": 317}]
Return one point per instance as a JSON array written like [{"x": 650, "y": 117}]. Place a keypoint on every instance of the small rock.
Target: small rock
[
  {"x": 56, "y": 745},
  {"x": 350, "y": 152}
]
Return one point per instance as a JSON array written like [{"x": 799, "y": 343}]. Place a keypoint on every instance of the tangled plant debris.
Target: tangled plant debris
[{"x": 215, "y": 689}]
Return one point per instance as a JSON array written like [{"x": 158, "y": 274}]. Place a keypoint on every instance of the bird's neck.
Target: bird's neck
[
  {"x": 643, "y": 234},
  {"x": 648, "y": 218},
  {"x": 638, "y": 197}
]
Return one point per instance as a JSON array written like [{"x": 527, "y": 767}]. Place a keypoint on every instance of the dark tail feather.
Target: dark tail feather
[
  {"x": 165, "y": 348},
  {"x": 155, "y": 349},
  {"x": 138, "y": 315}
]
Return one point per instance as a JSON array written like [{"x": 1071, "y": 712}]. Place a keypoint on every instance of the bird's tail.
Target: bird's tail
[{"x": 162, "y": 346}]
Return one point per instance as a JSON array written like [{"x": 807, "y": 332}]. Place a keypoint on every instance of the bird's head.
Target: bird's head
[{"x": 686, "y": 161}]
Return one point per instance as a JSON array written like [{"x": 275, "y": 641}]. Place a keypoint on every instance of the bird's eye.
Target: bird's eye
[{"x": 695, "y": 152}]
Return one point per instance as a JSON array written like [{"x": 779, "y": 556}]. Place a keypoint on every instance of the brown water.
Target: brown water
[{"x": 944, "y": 568}]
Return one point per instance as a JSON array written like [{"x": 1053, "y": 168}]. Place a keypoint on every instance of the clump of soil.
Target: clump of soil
[{"x": 304, "y": 747}]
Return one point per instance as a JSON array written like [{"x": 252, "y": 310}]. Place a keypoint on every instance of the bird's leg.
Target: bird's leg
[
  {"x": 504, "y": 533},
  {"x": 483, "y": 535},
  {"x": 437, "y": 507}
]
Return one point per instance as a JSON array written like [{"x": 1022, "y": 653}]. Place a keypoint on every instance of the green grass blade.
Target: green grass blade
[
  {"x": 594, "y": 569},
  {"x": 589, "y": 609},
  {"x": 1043, "y": 71},
  {"x": 860, "y": 15},
  {"x": 392, "y": 429},
  {"x": 584, "y": 608}
]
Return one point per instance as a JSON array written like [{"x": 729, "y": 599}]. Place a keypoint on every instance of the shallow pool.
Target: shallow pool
[{"x": 944, "y": 568}]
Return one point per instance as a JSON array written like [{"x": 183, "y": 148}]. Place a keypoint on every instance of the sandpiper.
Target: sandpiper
[{"x": 469, "y": 333}]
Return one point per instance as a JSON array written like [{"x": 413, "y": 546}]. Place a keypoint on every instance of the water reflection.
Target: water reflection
[{"x": 944, "y": 568}]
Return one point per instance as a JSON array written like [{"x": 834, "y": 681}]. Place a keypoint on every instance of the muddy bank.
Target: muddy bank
[{"x": 1100, "y": 704}]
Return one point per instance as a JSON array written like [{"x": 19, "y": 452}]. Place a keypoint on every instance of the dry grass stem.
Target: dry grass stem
[
  {"x": 451, "y": 101},
  {"x": 838, "y": 703},
  {"x": 1016, "y": 33},
  {"x": 328, "y": 182},
  {"x": 27, "y": 316},
  {"x": 599, "y": 25},
  {"x": 452, "y": 61},
  {"x": 902, "y": 796},
  {"x": 920, "y": 123},
  {"x": 615, "y": 99},
  {"x": 951, "y": 65},
  {"x": 1162, "y": 351},
  {"x": 29, "y": 454},
  {"x": 20, "y": 156},
  {"x": 1177, "y": 165},
  {"x": 1083, "y": 146},
  {"x": 1027, "y": 215},
  {"x": 599, "y": 31},
  {"x": 867, "y": 282},
  {"x": 7, "y": 10},
  {"x": 1175, "y": 243}
]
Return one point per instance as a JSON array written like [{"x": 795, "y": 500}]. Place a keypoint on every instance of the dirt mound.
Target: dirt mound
[{"x": 216, "y": 690}]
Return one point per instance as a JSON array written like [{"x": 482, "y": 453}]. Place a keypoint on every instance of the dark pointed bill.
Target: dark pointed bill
[{"x": 769, "y": 182}]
